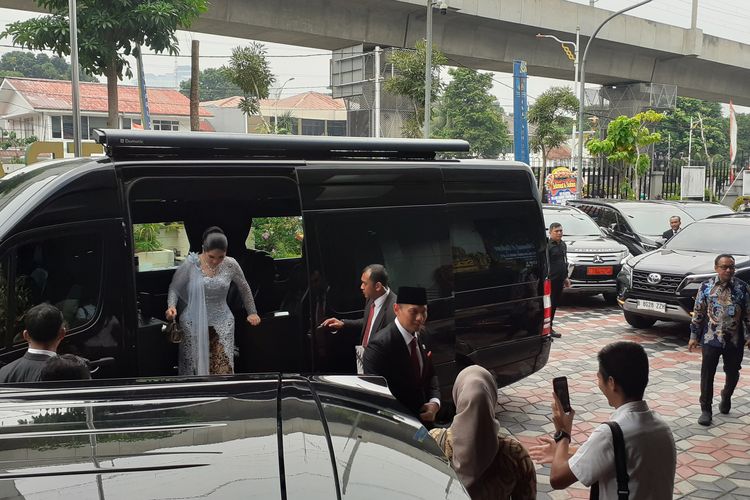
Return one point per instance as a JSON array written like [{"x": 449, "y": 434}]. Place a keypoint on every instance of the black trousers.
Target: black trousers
[
  {"x": 556, "y": 295},
  {"x": 732, "y": 360}
]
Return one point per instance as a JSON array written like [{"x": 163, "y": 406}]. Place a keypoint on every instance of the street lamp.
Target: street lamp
[
  {"x": 575, "y": 45},
  {"x": 428, "y": 63},
  {"x": 582, "y": 82},
  {"x": 276, "y": 106}
]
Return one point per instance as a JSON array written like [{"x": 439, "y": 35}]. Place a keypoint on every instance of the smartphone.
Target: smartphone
[{"x": 560, "y": 386}]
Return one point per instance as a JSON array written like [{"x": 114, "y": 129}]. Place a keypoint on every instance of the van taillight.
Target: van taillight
[{"x": 547, "y": 328}]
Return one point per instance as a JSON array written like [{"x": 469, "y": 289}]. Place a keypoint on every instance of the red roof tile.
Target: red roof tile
[
  {"x": 306, "y": 100},
  {"x": 56, "y": 95}
]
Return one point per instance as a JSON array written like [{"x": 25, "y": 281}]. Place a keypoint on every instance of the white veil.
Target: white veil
[{"x": 188, "y": 283}]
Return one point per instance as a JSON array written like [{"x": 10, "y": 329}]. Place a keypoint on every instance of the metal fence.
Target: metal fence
[{"x": 662, "y": 181}]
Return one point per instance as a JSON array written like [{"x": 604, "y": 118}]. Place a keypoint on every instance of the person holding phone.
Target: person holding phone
[{"x": 649, "y": 446}]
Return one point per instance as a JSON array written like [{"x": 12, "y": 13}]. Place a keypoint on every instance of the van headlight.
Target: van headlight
[
  {"x": 627, "y": 273},
  {"x": 692, "y": 282},
  {"x": 624, "y": 256}
]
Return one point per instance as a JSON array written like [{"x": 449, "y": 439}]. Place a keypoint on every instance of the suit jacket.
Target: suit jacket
[
  {"x": 25, "y": 369},
  {"x": 385, "y": 316},
  {"x": 387, "y": 355},
  {"x": 667, "y": 234}
]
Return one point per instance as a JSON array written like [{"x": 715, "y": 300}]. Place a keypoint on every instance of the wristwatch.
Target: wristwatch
[{"x": 561, "y": 435}]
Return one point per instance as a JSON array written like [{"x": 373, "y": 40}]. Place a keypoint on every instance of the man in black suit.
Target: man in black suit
[
  {"x": 674, "y": 224},
  {"x": 378, "y": 307},
  {"x": 43, "y": 330},
  {"x": 398, "y": 354}
]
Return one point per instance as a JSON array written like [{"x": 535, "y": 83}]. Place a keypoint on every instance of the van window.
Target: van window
[
  {"x": 412, "y": 243},
  {"x": 64, "y": 271},
  {"x": 4, "y": 303},
  {"x": 279, "y": 236},
  {"x": 495, "y": 245}
]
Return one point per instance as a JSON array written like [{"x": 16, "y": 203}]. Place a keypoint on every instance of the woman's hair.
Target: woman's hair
[{"x": 214, "y": 239}]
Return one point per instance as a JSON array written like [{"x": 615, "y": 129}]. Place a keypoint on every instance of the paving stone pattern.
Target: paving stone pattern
[{"x": 712, "y": 462}]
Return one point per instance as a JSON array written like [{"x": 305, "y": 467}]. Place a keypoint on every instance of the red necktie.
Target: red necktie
[
  {"x": 370, "y": 318},
  {"x": 415, "y": 357}
]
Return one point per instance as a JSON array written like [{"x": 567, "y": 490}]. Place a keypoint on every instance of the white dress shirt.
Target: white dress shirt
[
  {"x": 51, "y": 354},
  {"x": 649, "y": 449},
  {"x": 407, "y": 339}
]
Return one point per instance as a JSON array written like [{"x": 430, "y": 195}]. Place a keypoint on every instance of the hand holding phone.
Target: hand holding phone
[{"x": 560, "y": 386}]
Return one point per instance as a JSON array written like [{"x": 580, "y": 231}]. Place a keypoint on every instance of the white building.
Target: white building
[{"x": 43, "y": 108}]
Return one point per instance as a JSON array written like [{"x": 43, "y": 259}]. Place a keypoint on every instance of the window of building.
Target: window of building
[
  {"x": 336, "y": 127},
  {"x": 313, "y": 127},
  {"x": 62, "y": 127},
  {"x": 127, "y": 123},
  {"x": 94, "y": 122},
  {"x": 165, "y": 125},
  {"x": 495, "y": 246},
  {"x": 64, "y": 271}
]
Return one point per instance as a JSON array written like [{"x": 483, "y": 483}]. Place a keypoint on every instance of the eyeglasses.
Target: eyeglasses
[{"x": 727, "y": 268}]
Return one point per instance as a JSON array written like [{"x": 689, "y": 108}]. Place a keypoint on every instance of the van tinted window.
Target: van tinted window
[
  {"x": 64, "y": 271},
  {"x": 412, "y": 243},
  {"x": 497, "y": 244}
]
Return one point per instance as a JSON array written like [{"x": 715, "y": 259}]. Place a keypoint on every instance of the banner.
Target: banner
[
  {"x": 520, "y": 113},
  {"x": 560, "y": 186}
]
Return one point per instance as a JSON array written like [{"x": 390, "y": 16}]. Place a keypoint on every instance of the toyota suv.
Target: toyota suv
[
  {"x": 595, "y": 257},
  {"x": 661, "y": 285}
]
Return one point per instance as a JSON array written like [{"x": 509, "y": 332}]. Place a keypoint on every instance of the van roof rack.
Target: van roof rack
[{"x": 121, "y": 144}]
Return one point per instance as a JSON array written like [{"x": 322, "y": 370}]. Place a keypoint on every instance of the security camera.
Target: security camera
[{"x": 443, "y": 6}]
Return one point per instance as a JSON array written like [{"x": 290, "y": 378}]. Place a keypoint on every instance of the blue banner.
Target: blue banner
[{"x": 520, "y": 113}]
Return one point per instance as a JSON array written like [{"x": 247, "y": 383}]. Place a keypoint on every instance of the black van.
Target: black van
[{"x": 469, "y": 231}]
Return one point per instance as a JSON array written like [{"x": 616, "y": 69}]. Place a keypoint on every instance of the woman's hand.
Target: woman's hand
[
  {"x": 253, "y": 319},
  {"x": 171, "y": 313}
]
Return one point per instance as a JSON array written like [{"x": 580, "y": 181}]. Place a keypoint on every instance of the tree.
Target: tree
[
  {"x": 250, "y": 71},
  {"x": 107, "y": 32},
  {"x": 213, "y": 84},
  {"x": 468, "y": 111},
  {"x": 31, "y": 65},
  {"x": 408, "y": 81},
  {"x": 551, "y": 116},
  {"x": 675, "y": 130},
  {"x": 626, "y": 146}
]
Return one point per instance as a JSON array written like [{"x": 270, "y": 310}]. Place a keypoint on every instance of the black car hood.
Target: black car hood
[
  {"x": 233, "y": 437},
  {"x": 679, "y": 261},
  {"x": 593, "y": 243}
]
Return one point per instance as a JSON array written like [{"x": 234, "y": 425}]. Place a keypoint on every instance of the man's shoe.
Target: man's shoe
[
  {"x": 725, "y": 405},
  {"x": 705, "y": 418},
  {"x": 554, "y": 334}
]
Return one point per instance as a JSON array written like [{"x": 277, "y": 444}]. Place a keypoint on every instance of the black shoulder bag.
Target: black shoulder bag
[{"x": 621, "y": 465}]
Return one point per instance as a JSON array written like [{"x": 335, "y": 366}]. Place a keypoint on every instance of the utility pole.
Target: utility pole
[
  {"x": 690, "y": 141},
  {"x": 195, "y": 122},
  {"x": 428, "y": 72},
  {"x": 75, "y": 78},
  {"x": 377, "y": 91}
]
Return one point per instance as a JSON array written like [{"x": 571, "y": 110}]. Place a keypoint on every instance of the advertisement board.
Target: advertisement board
[{"x": 560, "y": 185}]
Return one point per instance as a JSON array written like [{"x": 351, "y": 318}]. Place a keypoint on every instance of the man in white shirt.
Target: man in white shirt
[
  {"x": 649, "y": 446},
  {"x": 43, "y": 330}
]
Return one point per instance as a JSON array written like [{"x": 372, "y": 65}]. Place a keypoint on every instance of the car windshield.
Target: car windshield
[
  {"x": 712, "y": 237},
  {"x": 573, "y": 223},
  {"x": 701, "y": 211},
  {"x": 652, "y": 219}
]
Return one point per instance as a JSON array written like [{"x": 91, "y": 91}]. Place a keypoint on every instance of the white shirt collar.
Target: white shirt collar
[
  {"x": 379, "y": 301},
  {"x": 632, "y": 406},
  {"x": 404, "y": 333},
  {"x": 51, "y": 354}
]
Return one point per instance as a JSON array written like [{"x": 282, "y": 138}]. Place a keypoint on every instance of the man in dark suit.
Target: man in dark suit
[
  {"x": 674, "y": 224},
  {"x": 43, "y": 330},
  {"x": 398, "y": 354},
  {"x": 378, "y": 307}
]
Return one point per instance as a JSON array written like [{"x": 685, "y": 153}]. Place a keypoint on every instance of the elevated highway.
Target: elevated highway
[{"x": 490, "y": 34}]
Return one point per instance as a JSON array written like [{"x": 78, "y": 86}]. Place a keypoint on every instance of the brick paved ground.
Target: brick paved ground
[{"x": 712, "y": 462}]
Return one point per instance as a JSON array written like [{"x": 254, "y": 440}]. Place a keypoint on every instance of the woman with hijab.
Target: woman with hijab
[
  {"x": 489, "y": 465},
  {"x": 201, "y": 284}
]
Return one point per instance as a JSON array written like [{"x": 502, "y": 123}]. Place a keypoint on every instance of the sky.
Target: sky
[{"x": 310, "y": 67}]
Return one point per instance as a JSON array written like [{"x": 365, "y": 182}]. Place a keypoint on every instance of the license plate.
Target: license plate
[
  {"x": 649, "y": 305},
  {"x": 600, "y": 271}
]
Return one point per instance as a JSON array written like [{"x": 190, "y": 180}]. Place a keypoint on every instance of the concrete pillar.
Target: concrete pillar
[{"x": 657, "y": 184}]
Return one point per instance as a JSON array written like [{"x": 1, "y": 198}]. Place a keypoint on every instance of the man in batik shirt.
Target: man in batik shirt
[{"x": 722, "y": 307}]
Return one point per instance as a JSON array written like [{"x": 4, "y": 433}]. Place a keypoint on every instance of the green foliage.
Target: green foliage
[
  {"x": 285, "y": 123},
  {"x": 408, "y": 81},
  {"x": 676, "y": 126},
  {"x": 739, "y": 201},
  {"x": 146, "y": 237},
  {"x": 551, "y": 116},
  {"x": 10, "y": 140},
  {"x": 250, "y": 71},
  {"x": 213, "y": 84},
  {"x": 468, "y": 111},
  {"x": 279, "y": 236},
  {"x": 31, "y": 65}
]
